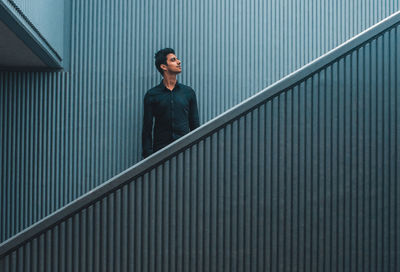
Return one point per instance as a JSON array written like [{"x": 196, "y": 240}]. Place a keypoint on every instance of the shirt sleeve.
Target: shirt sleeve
[
  {"x": 147, "y": 131},
  {"x": 193, "y": 113}
]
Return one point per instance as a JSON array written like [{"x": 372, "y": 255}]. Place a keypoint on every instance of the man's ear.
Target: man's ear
[{"x": 164, "y": 67}]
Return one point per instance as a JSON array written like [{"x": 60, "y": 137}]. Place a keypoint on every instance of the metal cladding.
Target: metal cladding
[
  {"x": 301, "y": 177},
  {"x": 64, "y": 133}
]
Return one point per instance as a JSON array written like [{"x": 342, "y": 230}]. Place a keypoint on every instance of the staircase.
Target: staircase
[{"x": 302, "y": 176}]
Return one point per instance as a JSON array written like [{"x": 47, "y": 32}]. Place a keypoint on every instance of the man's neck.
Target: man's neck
[{"x": 169, "y": 81}]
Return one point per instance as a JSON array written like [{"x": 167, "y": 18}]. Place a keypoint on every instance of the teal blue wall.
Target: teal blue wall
[
  {"x": 301, "y": 177},
  {"x": 63, "y": 133}
]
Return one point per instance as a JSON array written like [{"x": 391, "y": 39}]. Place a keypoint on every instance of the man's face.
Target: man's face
[{"x": 173, "y": 65}]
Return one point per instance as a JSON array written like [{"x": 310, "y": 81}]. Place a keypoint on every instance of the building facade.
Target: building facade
[{"x": 64, "y": 132}]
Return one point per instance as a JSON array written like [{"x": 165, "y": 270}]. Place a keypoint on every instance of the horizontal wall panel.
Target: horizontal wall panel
[
  {"x": 63, "y": 134},
  {"x": 306, "y": 180}
]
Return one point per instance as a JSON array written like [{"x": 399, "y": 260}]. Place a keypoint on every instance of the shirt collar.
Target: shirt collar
[{"x": 162, "y": 86}]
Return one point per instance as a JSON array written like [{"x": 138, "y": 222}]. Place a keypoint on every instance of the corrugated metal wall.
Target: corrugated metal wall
[
  {"x": 64, "y": 133},
  {"x": 305, "y": 181}
]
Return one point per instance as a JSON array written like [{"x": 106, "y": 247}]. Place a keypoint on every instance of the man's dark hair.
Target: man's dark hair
[{"x": 161, "y": 58}]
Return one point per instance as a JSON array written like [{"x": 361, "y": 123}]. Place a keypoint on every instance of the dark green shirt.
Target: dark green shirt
[{"x": 174, "y": 112}]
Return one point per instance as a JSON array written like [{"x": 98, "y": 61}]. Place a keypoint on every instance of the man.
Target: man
[{"x": 172, "y": 105}]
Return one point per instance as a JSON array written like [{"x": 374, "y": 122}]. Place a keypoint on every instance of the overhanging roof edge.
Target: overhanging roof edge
[{"x": 24, "y": 30}]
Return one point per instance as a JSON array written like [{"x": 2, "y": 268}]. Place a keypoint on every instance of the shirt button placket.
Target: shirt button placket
[{"x": 172, "y": 114}]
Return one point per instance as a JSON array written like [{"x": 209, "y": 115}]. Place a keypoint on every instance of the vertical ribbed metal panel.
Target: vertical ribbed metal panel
[
  {"x": 64, "y": 133},
  {"x": 306, "y": 181}
]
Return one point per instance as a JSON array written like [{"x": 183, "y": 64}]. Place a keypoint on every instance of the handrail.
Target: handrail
[{"x": 198, "y": 134}]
